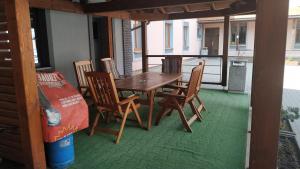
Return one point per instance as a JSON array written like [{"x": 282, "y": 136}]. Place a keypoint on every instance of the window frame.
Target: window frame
[
  {"x": 297, "y": 33},
  {"x": 238, "y": 25},
  {"x": 186, "y": 38},
  {"x": 168, "y": 48}
]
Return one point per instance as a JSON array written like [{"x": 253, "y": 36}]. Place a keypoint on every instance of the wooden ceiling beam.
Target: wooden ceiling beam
[
  {"x": 249, "y": 8},
  {"x": 120, "y": 5},
  {"x": 162, "y": 10},
  {"x": 59, "y": 5},
  {"x": 186, "y": 8},
  {"x": 119, "y": 14},
  {"x": 148, "y": 16}
]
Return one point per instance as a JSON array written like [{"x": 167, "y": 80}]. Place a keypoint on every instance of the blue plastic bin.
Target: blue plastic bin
[{"x": 60, "y": 154}]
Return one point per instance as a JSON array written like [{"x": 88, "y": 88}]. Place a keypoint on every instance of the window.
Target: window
[
  {"x": 238, "y": 33},
  {"x": 185, "y": 36},
  {"x": 137, "y": 37},
  {"x": 297, "y": 40},
  {"x": 199, "y": 30},
  {"x": 39, "y": 38},
  {"x": 168, "y": 36}
]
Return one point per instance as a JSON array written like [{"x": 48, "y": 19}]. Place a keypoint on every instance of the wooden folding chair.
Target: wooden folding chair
[
  {"x": 200, "y": 102},
  {"x": 181, "y": 96},
  {"x": 172, "y": 64},
  {"x": 103, "y": 90},
  {"x": 80, "y": 68},
  {"x": 110, "y": 67}
]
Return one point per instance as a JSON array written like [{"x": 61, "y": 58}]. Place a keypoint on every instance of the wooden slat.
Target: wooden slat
[
  {"x": 2, "y": 18},
  {"x": 5, "y": 55},
  {"x": 8, "y": 143},
  {"x": 7, "y": 89},
  {"x": 5, "y": 59},
  {"x": 3, "y": 27},
  {"x": 4, "y": 63},
  {"x": 8, "y": 113},
  {"x": 6, "y": 72},
  {"x": 11, "y": 136},
  {"x": 11, "y": 153},
  {"x": 3, "y": 36},
  {"x": 9, "y": 121},
  {"x": 8, "y": 106},
  {"x": 4, "y": 45},
  {"x": 7, "y": 97},
  {"x": 6, "y": 81}
]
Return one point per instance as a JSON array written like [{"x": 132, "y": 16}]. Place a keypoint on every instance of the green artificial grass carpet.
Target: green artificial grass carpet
[{"x": 218, "y": 142}]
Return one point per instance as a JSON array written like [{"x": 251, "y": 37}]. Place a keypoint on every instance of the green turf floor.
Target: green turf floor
[{"x": 218, "y": 142}]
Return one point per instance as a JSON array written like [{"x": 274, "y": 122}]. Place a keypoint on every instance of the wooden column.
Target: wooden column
[
  {"x": 24, "y": 75},
  {"x": 144, "y": 47},
  {"x": 270, "y": 44},
  {"x": 110, "y": 38},
  {"x": 225, "y": 50}
]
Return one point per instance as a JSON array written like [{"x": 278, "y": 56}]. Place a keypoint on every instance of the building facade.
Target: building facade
[
  {"x": 241, "y": 36},
  {"x": 178, "y": 37}
]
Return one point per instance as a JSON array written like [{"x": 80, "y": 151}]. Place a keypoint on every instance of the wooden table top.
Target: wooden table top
[{"x": 146, "y": 81}]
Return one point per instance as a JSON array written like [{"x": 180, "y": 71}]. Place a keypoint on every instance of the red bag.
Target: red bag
[{"x": 64, "y": 111}]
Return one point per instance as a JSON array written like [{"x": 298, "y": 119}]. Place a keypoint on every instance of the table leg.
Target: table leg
[{"x": 151, "y": 107}]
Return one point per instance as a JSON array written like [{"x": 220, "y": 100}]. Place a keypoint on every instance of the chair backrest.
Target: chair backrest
[
  {"x": 110, "y": 67},
  {"x": 201, "y": 63},
  {"x": 172, "y": 64},
  {"x": 194, "y": 81},
  {"x": 80, "y": 68},
  {"x": 103, "y": 89}
]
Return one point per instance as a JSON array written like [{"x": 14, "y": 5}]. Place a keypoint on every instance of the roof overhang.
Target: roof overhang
[{"x": 170, "y": 9}]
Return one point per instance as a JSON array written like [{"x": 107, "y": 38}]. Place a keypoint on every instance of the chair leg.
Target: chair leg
[
  {"x": 182, "y": 117},
  {"x": 96, "y": 121},
  {"x": 137, "y": 115},
  {"x": 159, "y": 115},
  {"x": 122, "y": 124},
  {"x": 195, "y": 110},
  {"x": 170, "y": 112},
  {"x": 200, "y": 102}
]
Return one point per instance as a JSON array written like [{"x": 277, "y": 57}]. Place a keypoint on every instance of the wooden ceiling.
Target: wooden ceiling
[
  {"x": 152, "y": 10},
  {"x": 170, "y": 9}
]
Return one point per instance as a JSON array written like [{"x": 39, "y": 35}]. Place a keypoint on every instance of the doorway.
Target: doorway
[{"x": 212, "y": 40}]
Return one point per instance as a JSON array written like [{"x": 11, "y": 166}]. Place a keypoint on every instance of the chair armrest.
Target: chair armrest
[{"x": 128, "y": 99}]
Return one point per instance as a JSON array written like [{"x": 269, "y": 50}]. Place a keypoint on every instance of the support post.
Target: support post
[
  {"x": 270, "y": 44},
  {"x": 110, "y": 38},
  {"x": 25, "y": 85},
  {"x": 144, "y": 47},
  {"x": 225, "y": 50}
]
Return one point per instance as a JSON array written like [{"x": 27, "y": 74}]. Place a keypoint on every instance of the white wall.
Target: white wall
[
  {"x": 68, "y": 41},
  {"x": 155, "y": 41}
]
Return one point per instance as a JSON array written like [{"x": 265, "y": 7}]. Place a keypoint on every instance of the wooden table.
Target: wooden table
[{"x": 148, "y": 83}]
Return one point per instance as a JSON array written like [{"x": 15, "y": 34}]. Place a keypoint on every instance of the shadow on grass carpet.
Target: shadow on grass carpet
[{"x": 218, "y": 142}]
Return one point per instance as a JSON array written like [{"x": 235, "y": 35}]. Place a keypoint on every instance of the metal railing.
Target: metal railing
[{"x": 212, "y": 72}]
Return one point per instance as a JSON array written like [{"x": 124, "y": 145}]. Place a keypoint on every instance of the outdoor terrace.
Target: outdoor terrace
[{"x": 218, "y": 142}]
